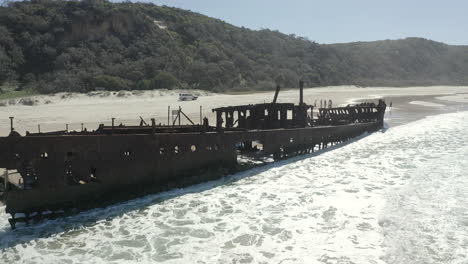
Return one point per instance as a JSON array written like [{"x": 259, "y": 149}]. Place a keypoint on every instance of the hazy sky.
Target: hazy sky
[{"x": 332, "y": 21}]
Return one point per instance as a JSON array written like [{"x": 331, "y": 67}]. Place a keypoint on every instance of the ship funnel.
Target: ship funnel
[
  {"x": 276, "y": 93},
  {"x": 301, "y": 92},
  {"x": 11, "y": 123}
]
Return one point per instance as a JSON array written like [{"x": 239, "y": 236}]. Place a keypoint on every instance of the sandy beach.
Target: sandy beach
[
  {"x": 361, "y": 202},
  {"x": 53, "y": 112}
]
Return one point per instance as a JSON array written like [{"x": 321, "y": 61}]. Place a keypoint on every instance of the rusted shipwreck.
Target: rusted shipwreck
[{"x": 60, "y": 170}]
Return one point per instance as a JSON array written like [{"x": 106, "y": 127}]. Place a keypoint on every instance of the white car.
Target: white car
[{"x": 186, "y": 97}]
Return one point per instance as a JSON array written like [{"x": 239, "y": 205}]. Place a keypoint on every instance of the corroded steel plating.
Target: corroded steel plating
[{"x": 68, "y": 169}]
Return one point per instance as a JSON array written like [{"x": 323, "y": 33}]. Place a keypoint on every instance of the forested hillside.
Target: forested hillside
[{"x": 50, "y": 46}]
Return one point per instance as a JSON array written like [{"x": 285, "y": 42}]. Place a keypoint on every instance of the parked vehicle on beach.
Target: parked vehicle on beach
[{"x": 187, "y": 97}]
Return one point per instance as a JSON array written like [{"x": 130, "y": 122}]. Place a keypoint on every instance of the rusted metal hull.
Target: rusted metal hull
[
  {"x": 60, "y": 170},
  {"x": 82, "y": 170}
]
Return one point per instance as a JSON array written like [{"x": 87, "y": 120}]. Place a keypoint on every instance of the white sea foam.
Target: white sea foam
[
  {"x": 397, "y": 196},
  {"x": 425, "y": 221}
]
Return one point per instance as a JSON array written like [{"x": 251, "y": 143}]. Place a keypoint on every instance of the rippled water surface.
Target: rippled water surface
[{"x": 399, "y": 196}]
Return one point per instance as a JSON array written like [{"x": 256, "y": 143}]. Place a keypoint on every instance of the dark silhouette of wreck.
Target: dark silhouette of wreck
[{"x": 61, "y": 170}]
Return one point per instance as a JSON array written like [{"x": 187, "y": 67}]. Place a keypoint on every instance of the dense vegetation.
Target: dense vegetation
[{"x": 53, "y": 45}]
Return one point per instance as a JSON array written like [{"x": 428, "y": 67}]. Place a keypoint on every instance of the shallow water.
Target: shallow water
[{"x": 399, "y": 196}]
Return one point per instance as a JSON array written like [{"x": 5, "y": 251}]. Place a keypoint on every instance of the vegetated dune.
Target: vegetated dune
[{"x": 80, "y": 46}]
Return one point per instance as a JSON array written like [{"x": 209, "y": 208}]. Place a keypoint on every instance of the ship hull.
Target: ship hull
[{"x": 83, "y": 171}]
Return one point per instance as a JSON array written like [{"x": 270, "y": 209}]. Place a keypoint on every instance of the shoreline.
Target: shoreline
[
  {"x": 405, "y": 108},
  {"x": 97, "y": 108}
]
